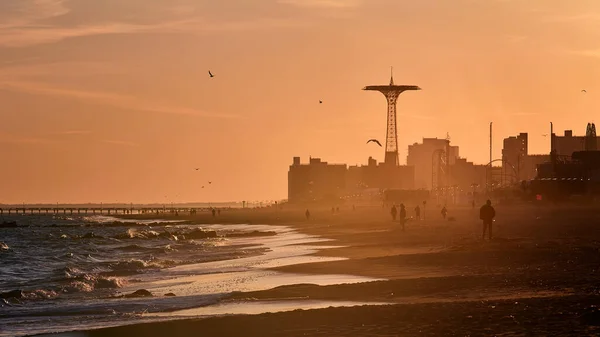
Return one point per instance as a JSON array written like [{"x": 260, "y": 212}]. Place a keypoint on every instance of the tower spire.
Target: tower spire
[{"x": 391, "y": 93}]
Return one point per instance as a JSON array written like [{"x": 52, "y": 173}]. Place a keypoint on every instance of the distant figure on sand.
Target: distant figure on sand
[
  {"x": 418, "y": 212},
  {"x": 444, "y": 212},
  {"x": 307, "y": 214},
  {"x": 402, "y": 216},
  {"x": 487, "y": 214},
  {"x": 213, "y": 212},
  {"x": 394, "y": 212}
]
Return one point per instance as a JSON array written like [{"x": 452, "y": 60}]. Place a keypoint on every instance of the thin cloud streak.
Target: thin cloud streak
[
  {"x": 7, "y": 138},
  {"x": 29, "y": 12},
  {"x": 525, "y": 114},
  {"x": 574, "y": 18},
  {"x": 121, "y": 142},
  {"x": 340, "y": 4},
  {"x": 75, "y": 132},
  {"x": 423, "y": 117},
  {"x": 29, "y": 71},
  {"x": 516, "y": 38},
  {"x": 587, "y": 53},
  {"x": 39, "y": 34},
  {"x": 106, "y": 98}
]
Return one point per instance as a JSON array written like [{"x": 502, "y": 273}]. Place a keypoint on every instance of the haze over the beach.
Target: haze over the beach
[{"x": 104, "y": 101}]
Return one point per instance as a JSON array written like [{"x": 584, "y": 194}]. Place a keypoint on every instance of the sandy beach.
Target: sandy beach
[{"x": 538, "y": 276}]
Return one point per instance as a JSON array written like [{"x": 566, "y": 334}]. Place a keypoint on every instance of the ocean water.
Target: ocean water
[{"x": 66, "y": 273}]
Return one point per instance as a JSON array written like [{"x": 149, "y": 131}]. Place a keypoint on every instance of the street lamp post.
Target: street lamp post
[{"x": 489, "y": 175}]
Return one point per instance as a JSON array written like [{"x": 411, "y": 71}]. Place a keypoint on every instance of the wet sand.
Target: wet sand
[{"x": 538, "y": 276}]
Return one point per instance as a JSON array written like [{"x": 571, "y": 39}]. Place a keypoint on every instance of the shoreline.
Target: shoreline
[
  {"x": 435, "y": 266},
  {"x": 282, "y": 246}
]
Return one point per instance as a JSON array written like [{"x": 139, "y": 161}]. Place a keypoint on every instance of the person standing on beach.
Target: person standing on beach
[
  {"x": 394, "y": 212},
  {"x": 307, "y": 214},
  {"x": 487, "y": 214},
  {"x": 418, "y": 212},
  {"x": 444, "y": 212},
  {"x": 402, "y": 216}
]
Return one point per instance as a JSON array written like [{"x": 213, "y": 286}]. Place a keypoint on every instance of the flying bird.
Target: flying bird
[
  {"x": 584, "y": 90},
  {"x": 202, "y": 186},
  {"x": 320, "y": 102},
  {"x": 210, "y": 182},
  {"x": 374, "y": 141},
  {"x": 196, "y": 169},
  {"x": 210, "y": 74}
]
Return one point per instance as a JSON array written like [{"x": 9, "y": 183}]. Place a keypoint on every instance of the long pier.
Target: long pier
[{"x": 100, "y": 210}]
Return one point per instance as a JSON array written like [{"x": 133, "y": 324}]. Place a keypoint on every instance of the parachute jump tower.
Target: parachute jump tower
[{"x": 391, "y": 93}]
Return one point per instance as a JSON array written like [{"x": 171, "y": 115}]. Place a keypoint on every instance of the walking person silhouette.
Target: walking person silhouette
[{"x": 487, "y": 214}]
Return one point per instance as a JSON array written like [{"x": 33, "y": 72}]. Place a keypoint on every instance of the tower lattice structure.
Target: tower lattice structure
[{"x": 391, "y": 93}]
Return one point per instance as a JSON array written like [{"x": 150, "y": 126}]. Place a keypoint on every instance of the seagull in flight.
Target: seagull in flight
[
  {"x": 210, "y": 74},
  {"x": 202, "y": 186},
  {"x": 584, "y": 90},
  {"x": 210, "y": 182},
  {"x": 320, "y": 102},
  {"x": 374, "y": 141},
  {"x": 197, "y": 168}
]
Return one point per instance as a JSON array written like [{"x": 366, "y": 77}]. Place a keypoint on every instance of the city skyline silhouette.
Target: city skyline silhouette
[{"x": 106, "y": 101}]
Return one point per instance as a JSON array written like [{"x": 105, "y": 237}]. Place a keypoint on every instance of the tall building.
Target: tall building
[
  {"x": 421, "y": 157},
  {"x": 514, "y": 153},
  {"x": 316, "y": 181}
]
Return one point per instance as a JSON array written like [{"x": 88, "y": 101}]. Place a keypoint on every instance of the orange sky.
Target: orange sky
[{"x": 110, "y": 100}]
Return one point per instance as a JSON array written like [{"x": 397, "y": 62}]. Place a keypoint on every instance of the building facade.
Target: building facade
[
  {"x": 421, "y": 157},
  {"x": 321, "y": 181},
  {"x": 514, "y": 152},
  {"x": 566, "y": 144},
  {"x": 316, "y": 181}
]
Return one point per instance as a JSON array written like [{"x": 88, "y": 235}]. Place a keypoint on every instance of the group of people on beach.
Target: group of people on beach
[{"x": 487, "y": 213}]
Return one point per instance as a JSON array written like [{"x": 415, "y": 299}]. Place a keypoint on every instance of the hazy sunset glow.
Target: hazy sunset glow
[{"x": 105, "y": 101}]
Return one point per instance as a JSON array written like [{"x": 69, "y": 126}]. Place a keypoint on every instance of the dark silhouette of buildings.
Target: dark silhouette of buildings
[
  {"x": 383, "y": 176},
  {"x": 467, "y": 176},
  {"x": 567, "y": 144},
  {"x": 435, "y": 165},
  {"x": 316, "y": 181},
  {"x": 319, "y": 181}
]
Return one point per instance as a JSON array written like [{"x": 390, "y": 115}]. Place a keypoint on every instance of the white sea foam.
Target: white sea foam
[{"x": 199, "y": 272}]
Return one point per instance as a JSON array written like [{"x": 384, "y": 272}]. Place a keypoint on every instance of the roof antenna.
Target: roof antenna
[{"x": 392, "y": 75}]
